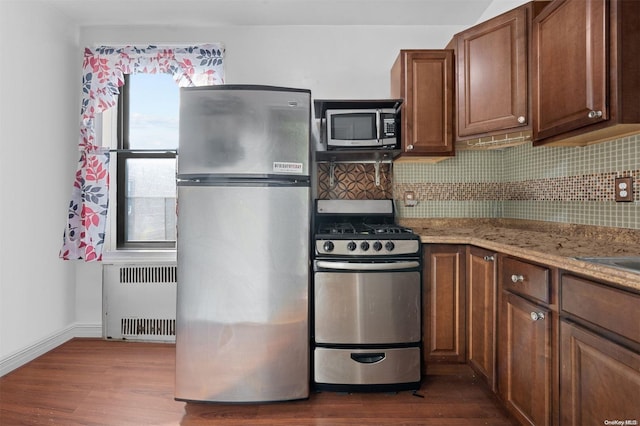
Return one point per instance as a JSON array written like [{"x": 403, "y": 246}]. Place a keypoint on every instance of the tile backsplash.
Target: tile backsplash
[
  {"x": 354, "y": 181},
  {"x": 556, "y": 184}
]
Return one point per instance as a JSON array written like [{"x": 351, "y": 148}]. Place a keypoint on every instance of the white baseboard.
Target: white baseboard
[{"x": 20, "y": 358}]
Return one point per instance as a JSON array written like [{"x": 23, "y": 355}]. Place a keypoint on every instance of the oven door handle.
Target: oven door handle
[{"x": 362, "y": 266}]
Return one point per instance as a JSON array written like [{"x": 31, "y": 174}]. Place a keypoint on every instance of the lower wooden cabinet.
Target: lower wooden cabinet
[
  {"x": 481, "y": 312},
  {"x": 599, "y": 353},
  {"x": 524, "y": 360},
  {"x": 444, "y": 304},
  {"x": 557, "y": 348},
  {"x": 525, "y": 341},
  {"x": 599, "y": 379}
]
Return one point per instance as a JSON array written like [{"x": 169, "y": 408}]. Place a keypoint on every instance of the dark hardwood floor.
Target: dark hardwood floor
[{"x": 96, "y": 382}]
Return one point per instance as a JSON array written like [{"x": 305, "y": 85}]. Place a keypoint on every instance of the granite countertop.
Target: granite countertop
[{"x": 556, "y": 245}]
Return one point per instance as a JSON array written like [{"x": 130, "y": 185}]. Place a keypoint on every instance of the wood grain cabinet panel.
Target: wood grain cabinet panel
[
  {"x": 599, "y": 352},
  {"x": 586, "y": 83},
  {"x": 525, "y": 375},
  {"x": 481, "y": 312},
  {"x": 599, "y": 379},
  {"x": 526, "y": 279},
  {"x": 525, "y": 365},
  {"x": 444, "y": 302},
  {"x": 492, "y": 64},
  {"x": 424, "y": 80},
  {"x": 610, "y": 308}
]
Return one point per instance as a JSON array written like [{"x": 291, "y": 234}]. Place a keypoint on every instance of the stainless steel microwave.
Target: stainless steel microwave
[{"x": 362, "y": 128}]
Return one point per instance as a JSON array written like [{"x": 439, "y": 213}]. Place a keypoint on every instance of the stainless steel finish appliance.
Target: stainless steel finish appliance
[
  {"x": 367, "y": 298},
  {"x": 360, "y": 123},
  {"x": 243, "y": 244}
]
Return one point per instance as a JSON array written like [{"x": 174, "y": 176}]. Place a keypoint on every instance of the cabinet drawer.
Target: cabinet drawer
[
  {"x": 610, "y": 308},
  {"x": 525, "y": 278}
]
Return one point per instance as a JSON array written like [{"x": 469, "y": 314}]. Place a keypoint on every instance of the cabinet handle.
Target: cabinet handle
[
  {"x": 595, "y": 114},
  {"x": 537, "y": 316},
  {"x": 489, "y": 258},
  {"x": 517, "y": 278},
  {"x": 409, "y": 147},
  {"x": 521, "y": 119}
]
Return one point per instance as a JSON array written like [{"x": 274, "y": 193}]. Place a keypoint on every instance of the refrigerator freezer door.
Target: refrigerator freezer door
[
  {"x": 243, "y": 289},
  {"x": 244, "y": 131}
]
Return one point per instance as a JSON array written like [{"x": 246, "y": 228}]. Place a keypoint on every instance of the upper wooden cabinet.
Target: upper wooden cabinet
[
  {"x": 492, "y": 64},
  {"x": 424, "y": 79},
  {"x": 586, "y": 79}
]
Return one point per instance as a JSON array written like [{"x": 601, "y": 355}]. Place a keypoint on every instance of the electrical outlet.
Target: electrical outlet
[
  {"x": 624, "y": 188},
  {"x": 410, "y": 199}
]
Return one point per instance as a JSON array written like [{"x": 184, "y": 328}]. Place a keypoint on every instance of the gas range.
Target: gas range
[
  {"x": 367, "y": 291},
  {"x": 361, "y": 228}
]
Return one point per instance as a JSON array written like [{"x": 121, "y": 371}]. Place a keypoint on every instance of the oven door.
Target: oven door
[{"x": 362, "y": 303}]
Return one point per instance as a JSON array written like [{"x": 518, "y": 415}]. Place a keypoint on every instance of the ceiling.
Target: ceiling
[{"x": 271, "y": 12}]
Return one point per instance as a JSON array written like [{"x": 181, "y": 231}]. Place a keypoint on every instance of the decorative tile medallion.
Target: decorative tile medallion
[{"x": 353, "y": 181}]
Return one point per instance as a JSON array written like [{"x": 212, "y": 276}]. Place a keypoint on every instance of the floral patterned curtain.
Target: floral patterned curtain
[{"x": 103, "y": 72}]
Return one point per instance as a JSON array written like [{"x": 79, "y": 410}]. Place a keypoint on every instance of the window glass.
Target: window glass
[
  {"x": 153, "y": 111},
  {"x": 150, "y": 199},
  {"x": 146, "y": 185}
]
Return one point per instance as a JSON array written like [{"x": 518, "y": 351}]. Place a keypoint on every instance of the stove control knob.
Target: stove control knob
[
  {"x": 364, "y": 246},
  {"x": 377, "y": 246},
  {"x": 351, "y": 246},
  {"x": 389, "y": 245},
  {"x": 328, "y": 246}
]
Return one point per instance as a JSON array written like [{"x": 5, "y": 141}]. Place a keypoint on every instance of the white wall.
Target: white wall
[
  {"x": 332, "y": 61},
  {"x": 39, "y": 106},
  {"x": 498, "y": 7}
]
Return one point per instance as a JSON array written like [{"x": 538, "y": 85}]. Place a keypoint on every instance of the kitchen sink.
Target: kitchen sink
[{"x": 631, "y": 264}]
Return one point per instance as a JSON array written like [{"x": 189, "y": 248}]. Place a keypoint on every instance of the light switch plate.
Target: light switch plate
[{"x": 624, "y": 188}]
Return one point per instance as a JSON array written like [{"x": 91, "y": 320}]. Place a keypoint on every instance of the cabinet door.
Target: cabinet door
[
  {"x": 444, "y": 304},
  {"x": 481, "y": 301},
  {"x": 524, "y": 360},
  {"x": 491, "y": 64},
  {"x": 424, "y": 79},
  {"x": 600, "y": 380},
  {"x": 569, "y": 72}
]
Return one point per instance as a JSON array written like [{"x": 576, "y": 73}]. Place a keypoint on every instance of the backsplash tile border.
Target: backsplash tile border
[
  {"x": 553, "y": 184},
  {"x": 556, "y": 184}
]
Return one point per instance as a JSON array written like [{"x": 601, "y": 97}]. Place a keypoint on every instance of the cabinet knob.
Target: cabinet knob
[
  {"x": 521, "y": 119},
  {"x": 595, "y": 114},
  {"x": 517, "y": 278},
  {"x": 489, "y": 258},
  {"x": 409, "y": 147},
  {"x": 537, "y": 316}
]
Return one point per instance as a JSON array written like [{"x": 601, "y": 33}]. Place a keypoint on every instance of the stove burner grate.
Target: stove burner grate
[
  {"x": 361, "y": 229},
  {"x": 387, "y": 229},
  {"x": 338, "y": 228}
]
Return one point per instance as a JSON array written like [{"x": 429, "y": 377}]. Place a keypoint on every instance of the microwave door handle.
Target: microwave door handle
[{"x": 378, "y": 125}]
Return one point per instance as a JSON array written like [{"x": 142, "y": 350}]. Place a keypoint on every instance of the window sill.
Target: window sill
[{"x": 139, "y": 256}]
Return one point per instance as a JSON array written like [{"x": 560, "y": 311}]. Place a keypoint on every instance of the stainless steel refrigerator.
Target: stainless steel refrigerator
[{"x": 243, "y": 244}]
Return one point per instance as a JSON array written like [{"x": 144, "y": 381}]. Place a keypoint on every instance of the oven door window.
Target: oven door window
[{"x": 367, "y": 308}]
